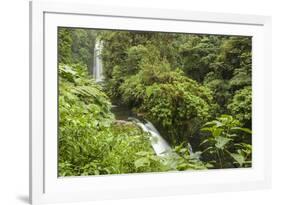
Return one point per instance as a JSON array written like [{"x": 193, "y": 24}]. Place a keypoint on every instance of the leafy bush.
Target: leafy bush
[
  {"x": 227, "y": 144},
  {"x": 187, "y": 160},
  {"x": 169, "y": 99}
]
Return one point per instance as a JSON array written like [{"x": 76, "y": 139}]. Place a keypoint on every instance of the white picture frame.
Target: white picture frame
[{"x": 46, "y": 187}]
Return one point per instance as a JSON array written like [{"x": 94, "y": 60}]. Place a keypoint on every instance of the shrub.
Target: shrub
[
  {"x": 227, "y": 144},
  {"x": 169, "y": 99}
]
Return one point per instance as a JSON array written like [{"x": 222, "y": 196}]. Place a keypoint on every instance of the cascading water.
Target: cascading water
[
  {"x": 97, "y": 63},
  {"x": 159, "y": 144}
]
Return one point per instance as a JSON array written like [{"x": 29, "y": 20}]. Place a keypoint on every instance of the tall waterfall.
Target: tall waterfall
[{"x": 97, "y": 63}]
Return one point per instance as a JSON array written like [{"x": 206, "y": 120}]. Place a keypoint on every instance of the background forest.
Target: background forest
[{"x": 195, "y": 89}]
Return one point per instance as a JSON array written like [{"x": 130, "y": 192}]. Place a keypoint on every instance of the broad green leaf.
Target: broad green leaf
[
  {"x": 221, "y": 142},
  {"x": 242, "y": 129},
  {"x": 239, "y": 158}
]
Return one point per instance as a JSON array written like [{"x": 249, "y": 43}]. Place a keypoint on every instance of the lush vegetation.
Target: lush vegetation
[
  {"x": 91, "y": 142},
  {"x": 196, "y": 90}
]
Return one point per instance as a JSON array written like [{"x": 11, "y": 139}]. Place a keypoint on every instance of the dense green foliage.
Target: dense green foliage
[
  {"x": 241, "y": 105},
  {"x": 146, "y": 80},
  {"x": 171, "y": 100},
  {"x": 221, "y": 63},
  {"x": 76, "y": 46},
  {"x": 196, "y": 89},
  {"x": 91, "y": 142}
]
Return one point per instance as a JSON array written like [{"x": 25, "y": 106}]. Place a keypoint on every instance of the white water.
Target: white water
[
  {"x": 97, "y": 64},
  {"x": 159, "y": 144}
]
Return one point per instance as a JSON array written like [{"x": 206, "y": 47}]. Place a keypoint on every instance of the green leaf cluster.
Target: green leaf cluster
[{"x": 227, "y": 144}]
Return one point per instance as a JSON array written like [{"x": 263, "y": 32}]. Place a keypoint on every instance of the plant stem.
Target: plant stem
[{"x": 219, "y": 158}]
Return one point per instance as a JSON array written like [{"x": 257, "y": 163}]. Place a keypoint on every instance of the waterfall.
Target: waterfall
[
  {"x": 159, "y": 144},
  {"x": 97, "y": 62}
]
